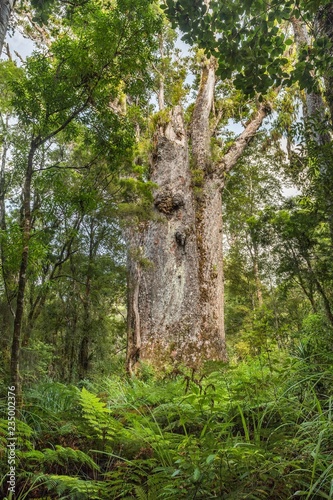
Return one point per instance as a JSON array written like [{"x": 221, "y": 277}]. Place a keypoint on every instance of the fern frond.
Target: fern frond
[
  {"x": 97, "y": 416},
  {"x": 140, "y": 493},
  {"x": 65, "y": 456},
  {"x": 76, "y": 488}
]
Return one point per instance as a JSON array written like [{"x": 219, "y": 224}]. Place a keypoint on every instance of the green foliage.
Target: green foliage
[
  {"x": 250, "y": 41},
  {"x": 97, "y": 416},
  {"x": 90, "y": 63},
  {"x": 71, "y": 487},
  {"x": 259, "y": 429},
  {"x": 10, "y": 73},
  {"x": 24, "y": 433},
  {"x": 69, "y": 136}
]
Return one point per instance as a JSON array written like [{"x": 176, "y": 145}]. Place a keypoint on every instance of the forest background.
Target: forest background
[{"x": 120, "y": 163}]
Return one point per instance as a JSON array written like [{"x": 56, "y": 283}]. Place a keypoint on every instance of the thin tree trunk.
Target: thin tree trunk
[
  {"x": 3, "y": 180},
  {"x": 315, "y": 114},
  {"x": 161, "y": 79},
  {"x": 6, "y": 7},
  {"x": 70, "y": 347},
  {"x": 6, "y": 309},
  {"x": 254, "y": 254},
  {"x": 6, "y": 274},
  {"x": 133, "y": 316},
  {"x": 22, "y": 278},
  {"x": 84, "y": 356},
  {"x": 257, "y": 277},
  {"x": 161, "y": 93}
]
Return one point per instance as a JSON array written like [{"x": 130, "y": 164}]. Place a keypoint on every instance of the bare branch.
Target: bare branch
[
  {"x": 237, "y": 149},
  {"x": 19, "y": 57},
  {"x": 43, "y": 35},
  {"x": 8, "y": 53}
]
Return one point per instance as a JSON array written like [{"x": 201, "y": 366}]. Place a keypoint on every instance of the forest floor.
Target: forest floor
[{"x": 260, "y": 428}]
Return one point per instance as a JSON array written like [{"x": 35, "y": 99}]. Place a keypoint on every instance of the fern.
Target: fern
[
  {"x": 141, "y": 494},
  {"x": 30, "y": 488},
  {"x": 66, "y": 457},
  {"x": 30, "y": 459},
  {"x": 47, "y": 403},
  {"x": 248, "y": 431},
  {"x": 75, "y": 488},
  {"x": 97, "y": 416},
  {"x": 23, "y": 434}
]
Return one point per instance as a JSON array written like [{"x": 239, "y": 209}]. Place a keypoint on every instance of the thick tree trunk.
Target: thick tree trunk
[
  {"x": 175, "y": 281},
  {"x": 163, "y": 306},
  {"x": 210, "y": 266},
  {"x": 6, "y": 7}
]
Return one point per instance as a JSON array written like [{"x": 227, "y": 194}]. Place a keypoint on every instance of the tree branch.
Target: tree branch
[
  {"x": 200, "y": 131},
  {"x": 236, "y": 150}
]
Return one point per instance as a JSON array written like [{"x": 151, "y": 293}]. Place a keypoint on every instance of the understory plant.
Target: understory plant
[{"x": 254, "y": 430}]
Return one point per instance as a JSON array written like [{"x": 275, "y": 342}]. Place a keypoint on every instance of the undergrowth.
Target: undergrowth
[{"x": 256, "y": 430}]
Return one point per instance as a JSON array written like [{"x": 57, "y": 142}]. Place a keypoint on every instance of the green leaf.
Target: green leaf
[
  {"x": 196, "y": 474},
  {"x": 210, "y": 459},
  {"x": 176, "y": 473}
]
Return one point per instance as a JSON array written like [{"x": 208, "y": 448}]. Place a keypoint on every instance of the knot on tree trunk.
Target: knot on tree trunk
[{"x": 167, "y": 202}]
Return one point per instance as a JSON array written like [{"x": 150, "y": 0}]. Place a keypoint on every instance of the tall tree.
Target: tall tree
[{"x": 175, "y": 309}]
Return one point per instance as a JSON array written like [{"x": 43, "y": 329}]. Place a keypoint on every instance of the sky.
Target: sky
[{"x": 23, "y": 46}]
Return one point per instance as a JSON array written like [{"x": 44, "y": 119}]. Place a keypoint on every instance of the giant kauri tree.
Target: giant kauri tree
[{"x": 175, "y": 309}]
